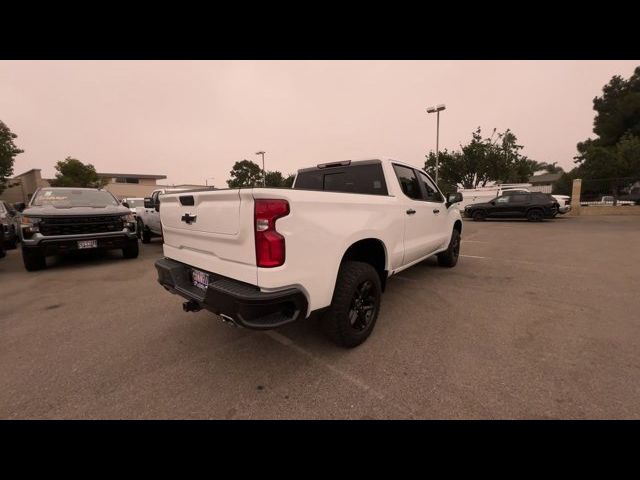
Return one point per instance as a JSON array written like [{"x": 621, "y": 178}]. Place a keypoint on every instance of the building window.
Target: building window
[{"x": 127, "y": 180}]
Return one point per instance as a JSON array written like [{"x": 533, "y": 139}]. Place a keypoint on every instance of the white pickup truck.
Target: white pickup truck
[
  {"x": 148, "y": 216},
  {"x": 264, "y": 257}
]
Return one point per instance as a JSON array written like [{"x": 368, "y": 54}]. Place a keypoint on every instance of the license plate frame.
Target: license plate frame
[
  {"x": 200, "y": 279},
  {"x": 84, "y": 244}
]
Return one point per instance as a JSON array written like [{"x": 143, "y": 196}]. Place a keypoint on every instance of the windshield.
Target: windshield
[
  {"x": 73, "y": 197},
  {"x": 135, "y": 202}
]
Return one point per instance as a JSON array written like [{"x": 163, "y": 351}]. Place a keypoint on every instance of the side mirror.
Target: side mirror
[
  {"x": 148, "y": 203},
  {"x": 125, "y": 204},
  {"x": 20, "y": 206},
  {"x": 454, "y": 198}
]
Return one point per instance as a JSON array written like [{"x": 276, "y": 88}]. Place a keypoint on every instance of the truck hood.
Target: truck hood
[{"x": 51, "y": 211}]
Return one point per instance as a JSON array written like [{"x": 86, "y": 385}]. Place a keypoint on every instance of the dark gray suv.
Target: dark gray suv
[{"x": 59, "y": 220}]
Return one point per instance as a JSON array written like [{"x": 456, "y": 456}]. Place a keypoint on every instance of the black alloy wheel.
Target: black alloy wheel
[
  {"x": 363, "y": 306},
  {"x": 535, "y": 215}
]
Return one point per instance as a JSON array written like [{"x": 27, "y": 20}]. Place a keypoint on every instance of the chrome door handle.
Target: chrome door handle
[{"x": 411, "y": 211}]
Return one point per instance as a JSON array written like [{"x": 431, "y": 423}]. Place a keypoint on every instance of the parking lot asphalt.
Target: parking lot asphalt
[{"x": 537, "y": 320}]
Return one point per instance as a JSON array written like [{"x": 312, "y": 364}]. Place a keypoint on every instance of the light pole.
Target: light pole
[
  {"x": 206, "y": 183},
  {"x": 437, "y": 109},
  {"x": 263, "y": 176}
]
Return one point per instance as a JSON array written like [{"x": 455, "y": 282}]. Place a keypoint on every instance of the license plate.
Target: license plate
[
  {"x": 200, "y": 279},
  {"x": 87, "y": 244}
]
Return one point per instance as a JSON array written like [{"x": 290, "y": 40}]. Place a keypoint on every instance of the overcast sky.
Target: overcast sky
[{"x": 191, "y": 120}]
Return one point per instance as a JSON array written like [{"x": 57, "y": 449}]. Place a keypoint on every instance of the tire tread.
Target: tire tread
[{"x": 333, "y": 325}]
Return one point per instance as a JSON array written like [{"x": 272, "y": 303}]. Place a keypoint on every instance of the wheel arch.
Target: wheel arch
[
  {"x": 371, "y": 251},
  {"x": 534, "y": 207}
]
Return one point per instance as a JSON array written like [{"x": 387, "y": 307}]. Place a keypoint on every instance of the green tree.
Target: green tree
[
  {"x": 277, "y": 180},
  {"x": 288, "y": 182},
  {"x": 615, "y": 152},
  {"x": 493, "y": 159},
  {"x": 564, "y": 185},
  {"x": 74, "y": 173},
  {"x": 273, "y": 179},
  {"x": 245, "y": 174},
  {"x": 552, "y": 167},
  {"x": 8, "y": 152}
]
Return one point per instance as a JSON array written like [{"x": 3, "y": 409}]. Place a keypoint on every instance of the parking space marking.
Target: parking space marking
[
  {"x": 525, "y": 262},
  {"x": 403, "y": 278},
  {"x": 287, "y": 342}
]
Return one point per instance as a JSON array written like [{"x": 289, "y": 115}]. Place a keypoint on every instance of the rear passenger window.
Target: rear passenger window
[
  {"x": 519, "y": 198},
  {"x": 368, "y": 179},
  {"x": 408, "y": 182},
  {"x": 339, "y": 182},
  {"x": 310, "y": 180}
]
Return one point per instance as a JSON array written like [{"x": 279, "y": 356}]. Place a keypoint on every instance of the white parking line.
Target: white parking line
[
  {"x": 525, "y": 262},
  {"x": 286, "y": 341}
]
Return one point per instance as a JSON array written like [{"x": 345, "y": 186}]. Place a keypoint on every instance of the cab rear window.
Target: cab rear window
[{"x": 367, "y": 179}]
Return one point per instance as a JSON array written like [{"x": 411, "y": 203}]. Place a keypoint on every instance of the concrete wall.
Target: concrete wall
[
  {"x": 610, "y": 210},
  {"x": 14, "y": 194},
  {"x": 593, "y": 210}
]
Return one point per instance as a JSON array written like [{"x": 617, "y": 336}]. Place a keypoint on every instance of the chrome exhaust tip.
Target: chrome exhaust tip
[{"x": 227, "y": 319}]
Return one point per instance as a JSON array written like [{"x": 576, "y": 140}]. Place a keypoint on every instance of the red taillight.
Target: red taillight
[{"x": 269, "y": 243}]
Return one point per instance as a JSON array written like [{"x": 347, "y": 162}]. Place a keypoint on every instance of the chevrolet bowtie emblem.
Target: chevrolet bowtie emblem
[{"x": 188, "y": 218}]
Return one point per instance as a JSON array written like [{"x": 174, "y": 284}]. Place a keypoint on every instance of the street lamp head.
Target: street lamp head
[
  {"x": 260, "y": 153},
  {"x": 437, "y": 108}
]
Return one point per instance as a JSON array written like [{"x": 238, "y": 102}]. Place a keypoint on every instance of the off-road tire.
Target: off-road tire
[
  {"x": 146, "y": 235},
  {"x": 33, "y": 260},
  {"x": 13, "y": 243},
  {"x": 131, "y": 251},
  {"x": 336, "y": 322},
  {"x": 449, "y": 257},
  {"x": 139, "y": 228}
]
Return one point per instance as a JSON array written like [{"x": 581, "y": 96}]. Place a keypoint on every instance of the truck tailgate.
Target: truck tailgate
[{"x": 211, "y": 230}]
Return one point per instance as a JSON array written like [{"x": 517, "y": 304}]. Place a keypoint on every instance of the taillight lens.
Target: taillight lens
[{"x": 270, "y": 248}]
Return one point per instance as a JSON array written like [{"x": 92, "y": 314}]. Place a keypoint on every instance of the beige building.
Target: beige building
[
  {"x": 544, "y": 182},
  {"x": 22, "y": 187},
  {"x": 129, "y": 185}
]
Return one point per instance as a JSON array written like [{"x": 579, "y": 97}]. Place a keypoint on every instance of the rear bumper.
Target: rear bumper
[
  {"x": 243, "y": 304},
  {"x": 564, "y": 209}
]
